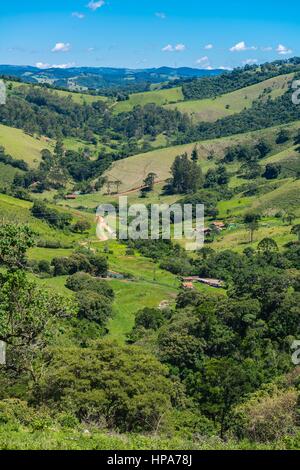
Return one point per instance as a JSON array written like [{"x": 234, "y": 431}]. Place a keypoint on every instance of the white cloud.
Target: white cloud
[
  {"x": 161, "y": 15},
  {"x": 180, "y": 47},
  {"x": 250, "y": 61},
  {"x": 267, "y": 49},
  {"x": 78, "y": 15},
  {"x": 177, "y": 48},
  {"x": 208, "y": 46},
  {"x": 223, "y": 67},
  {"x": 41, "y": 65},
  {"x": 202, "y": 60},
  {"x": 241, "y": 46},
  {"x": 283, "y": 50},
  {"x": 95, "y": 5},
  {"x": 61, "y": 47},
  {"x": 168, "y": 48}
]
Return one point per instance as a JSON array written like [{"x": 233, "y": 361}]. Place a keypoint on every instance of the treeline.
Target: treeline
[{"x": 210, "y": 87}]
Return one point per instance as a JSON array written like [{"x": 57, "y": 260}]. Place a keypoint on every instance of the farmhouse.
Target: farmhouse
[
  {"x": 217, "y": 283},
  {"x": 218, "y": 225},
  {"x": 188, "y": 285}
]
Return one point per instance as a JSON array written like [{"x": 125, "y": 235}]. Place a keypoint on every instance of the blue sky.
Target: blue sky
[{"x": 147, "y": 33}]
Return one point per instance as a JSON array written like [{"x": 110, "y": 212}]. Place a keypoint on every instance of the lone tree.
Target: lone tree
[
  {"x": 149, "y": 181},
  {"x": 272, "y": 171},
  {"x": 82, "y": 226},
  {"x": 267, "y": 246},
  {"x": 195, "y": 154},
  {"x": 251, "y": 221}
]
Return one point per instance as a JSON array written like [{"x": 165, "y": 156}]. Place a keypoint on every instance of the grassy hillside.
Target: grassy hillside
[
  {"x": 233, "y": 103},
  {"x": 159, "y": 97},
  {"x": 133, "y": 170},
  {"x": 23, "y": 146}
]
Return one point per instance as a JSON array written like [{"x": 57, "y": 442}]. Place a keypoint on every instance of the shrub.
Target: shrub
[
  {"x": 269, "y": 415},
  {"x": 94, "y": 307},
  {"x": 83, "y": 281}
]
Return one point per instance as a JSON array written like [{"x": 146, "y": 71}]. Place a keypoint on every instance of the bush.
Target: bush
[
  {"x": 81, "y": 261},
  {"x": 269, "y": 415},
  {"x": 94, "y": 307},
  {"x": 44, "y": 266},
  {"x": 149, "y": 318},
  {"x": 83, "y": 281}
]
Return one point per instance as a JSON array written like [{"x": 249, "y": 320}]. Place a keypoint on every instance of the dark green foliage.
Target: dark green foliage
[
  {"x": 93, "y": 306},
  {"x": 60, "y": 220},
  {"x": 82, "y": 226},
  {"x": 124, "y": 386},
  {"x": 209, "y": 87},
  {"x": 272, "y": 171},
  {"x": 187, "y": 176},
  {"x": 81, "y": 261},
  {"x": 8, "y": 160},
  {"x": 149, "y": 318},
  {"x": 14, "y": 242},
  {"x": 283, "y": 136},
  {"x": 83, "y": 281}
]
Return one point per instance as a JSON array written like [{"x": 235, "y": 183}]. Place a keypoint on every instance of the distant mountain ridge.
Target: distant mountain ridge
[{"x": 82, "y": 78}]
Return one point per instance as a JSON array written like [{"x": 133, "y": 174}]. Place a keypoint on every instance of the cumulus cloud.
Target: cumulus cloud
[
  {"x": 180, "y": 47},
  {"x": 161, "y": 15},
  {"x": 224, "y": 67},
  {"x": 61, "y": 47},
  {"x": 208, "y": 46},
  {"x": 77, "y": 14},
  {"x": 95, "y": 5},
  {"x": 283, "y": 50},
  {"x": 177, "y": 48},
  {"x": 241, "y": 46},
  {"x": 43, "y": 66},
  {"x": 168, "y": 48}
]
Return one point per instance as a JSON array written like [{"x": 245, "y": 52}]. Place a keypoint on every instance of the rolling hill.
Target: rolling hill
[
  {"x": 133, "y": 170},
  {"x": 232, "y": 103}
]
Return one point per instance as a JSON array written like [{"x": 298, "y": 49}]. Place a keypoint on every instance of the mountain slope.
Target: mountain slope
[{"x": 232, "y": 103}]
